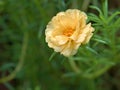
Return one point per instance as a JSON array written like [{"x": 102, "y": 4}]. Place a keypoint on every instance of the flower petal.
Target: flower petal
[
  {"x": 70, "y": 49},
  {"x": 89, "y": 35},
  {"x": 67, "y": 51},
  {"x": 84, "y": 33},
  {"x": 61, "y": 39},
  {"x": 56, "y": 48}
]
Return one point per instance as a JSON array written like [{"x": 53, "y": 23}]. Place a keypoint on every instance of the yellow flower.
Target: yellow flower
[{"x": 67, "y": 31}]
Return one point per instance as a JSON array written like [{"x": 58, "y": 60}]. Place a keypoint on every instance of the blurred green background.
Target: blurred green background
[{"x": 26, "y": 20}]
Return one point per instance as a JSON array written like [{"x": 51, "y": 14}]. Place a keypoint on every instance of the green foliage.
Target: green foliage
[
  {"x": 101, "y": 53},
  {"x": 42, "y": 68}
]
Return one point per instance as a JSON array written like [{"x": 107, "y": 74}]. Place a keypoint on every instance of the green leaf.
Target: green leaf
[
  {"x": 105, "y": 8},
  {"x": 103, "y": 19},
  {"x": 100, "y": 14},
  {"x": 52, "y": 55},
  {"x": 79, "y": 59},
  {"x": 70, "y": 74},
  {"x": 91, "y": 50},
  {"x": 113, "y": 16},
  {"x": 115, "y": 25},
  {"x": 96, "y": 8},
  {"x": 94, "y": 18},
  {"x": 100, "y": 41},
  {"x": 117, "y": 22},
  {"x": 41, "y": 28}
]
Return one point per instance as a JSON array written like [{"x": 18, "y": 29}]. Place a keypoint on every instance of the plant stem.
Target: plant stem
[
  {"x": 74, "y": 66},
  {"x": 21, "y": 61},
  {"x": 97, "y": 73},
  {"x": 87, "y": 84},
  {"x": 85, "y": 5},
  {"x": 74, "y": 3}
]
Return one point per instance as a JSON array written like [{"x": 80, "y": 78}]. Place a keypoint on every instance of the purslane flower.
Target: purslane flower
[{"x": 67, "y": 31}]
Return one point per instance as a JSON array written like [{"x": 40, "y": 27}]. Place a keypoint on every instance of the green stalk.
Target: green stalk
[
  {"x": 74, "y": 3},
  {"x": 97, "y": 73},
  {"x": 21, "y": 61},
  {"x": 74, "y": 66},
  {"x": 85, "y": 5},
  {"x": 87, "y": 84}
]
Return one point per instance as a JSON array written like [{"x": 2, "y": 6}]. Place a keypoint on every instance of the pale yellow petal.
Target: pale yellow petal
[
  {"x": 84, "y": 33},
  {"x": 89, "y": 35},
  {"x": 67, "y": 51},
  {"x": 61, "y": 39},
  {"x": 56, "y": 48},
  {"x": 79, "y": 27},
  {"x": 81, "y": 38},
  {"x": 87, "y": 38},
  {"x": 70, "y": 49}
]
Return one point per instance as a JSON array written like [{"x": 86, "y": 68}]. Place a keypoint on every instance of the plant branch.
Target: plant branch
[
  {"x": 85, "y": 5},
  {"x": 21, "y": 61},
  {"x": 74, "y": 66}
]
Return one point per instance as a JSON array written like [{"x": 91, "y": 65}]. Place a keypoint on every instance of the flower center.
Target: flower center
[{"x": 68, "y": 32}]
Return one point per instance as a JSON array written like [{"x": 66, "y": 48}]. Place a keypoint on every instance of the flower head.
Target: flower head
[{"x": 67, "y": 31}]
